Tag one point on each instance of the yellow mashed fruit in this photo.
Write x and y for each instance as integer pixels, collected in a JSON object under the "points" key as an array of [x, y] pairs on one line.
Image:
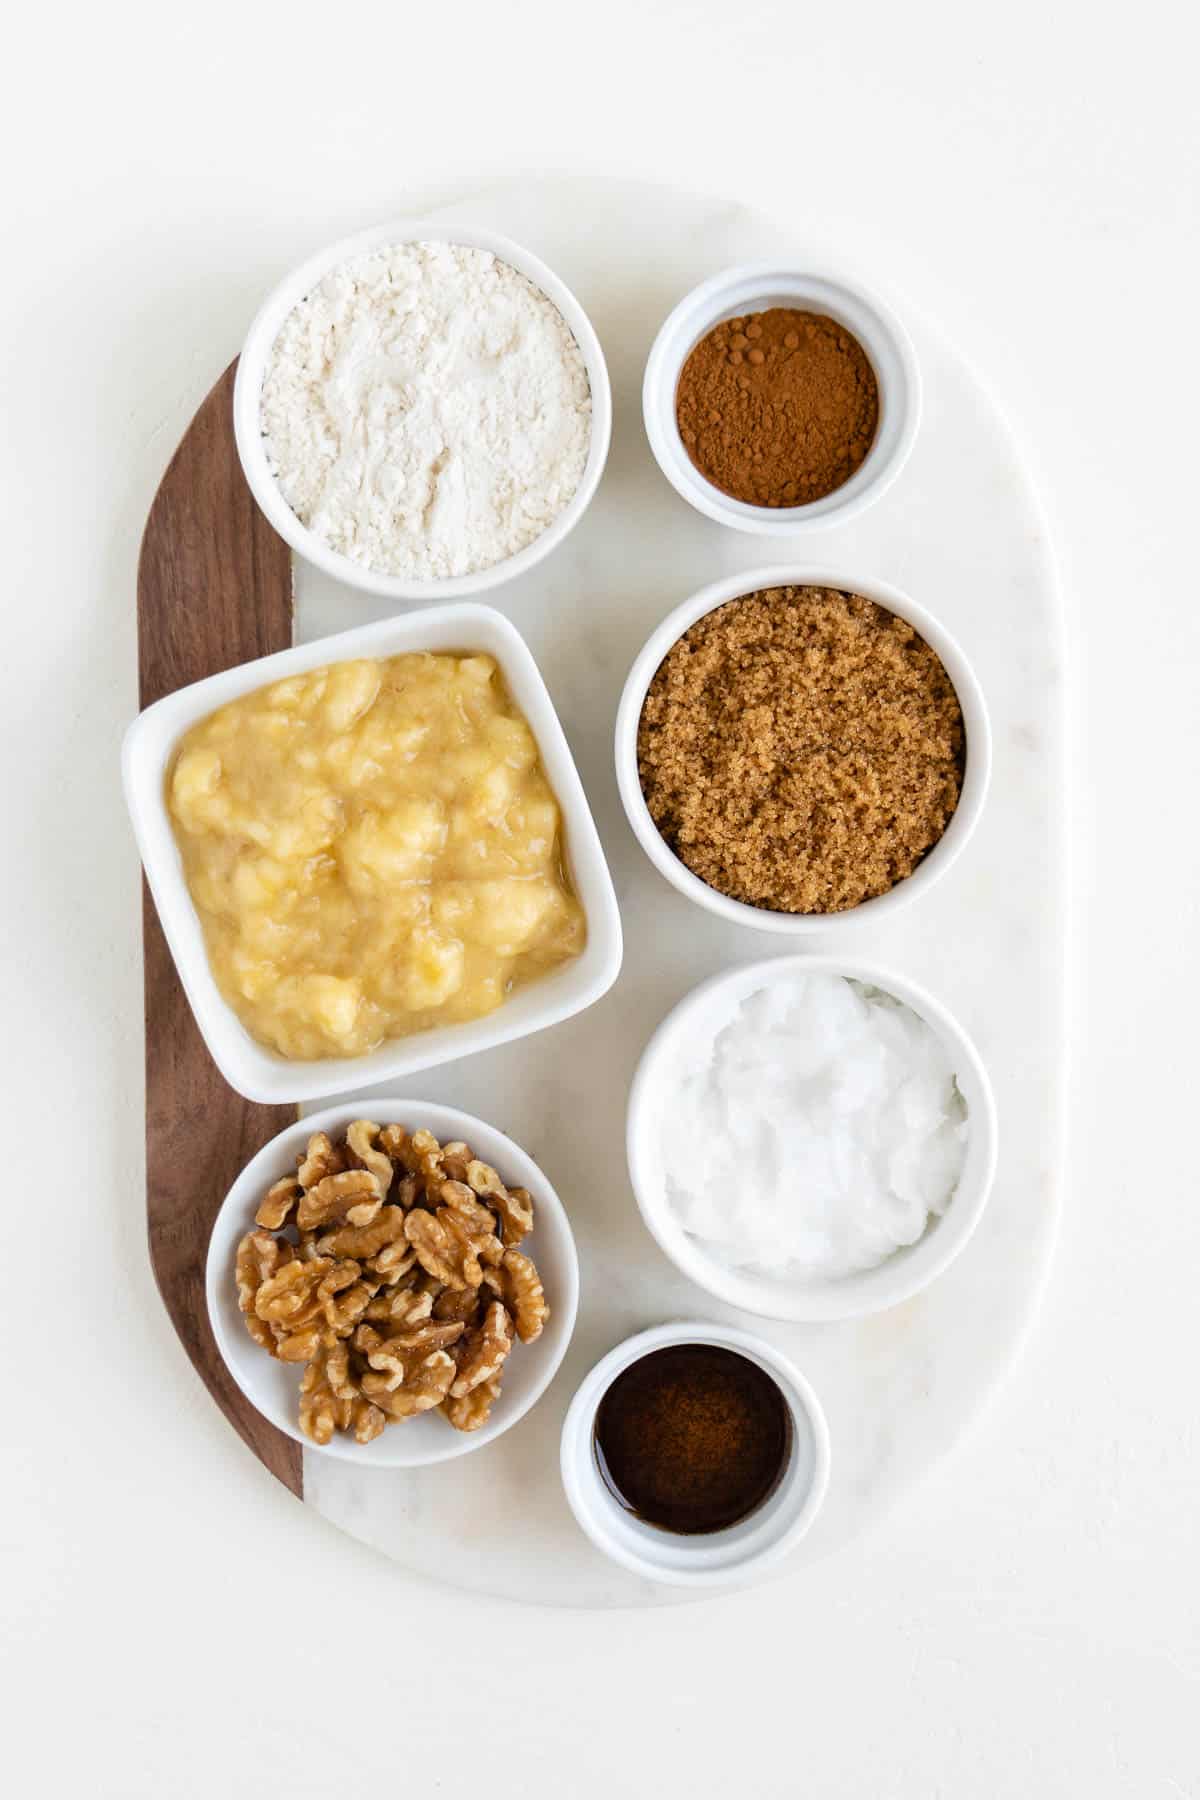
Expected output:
{"points": [[373, 849]]}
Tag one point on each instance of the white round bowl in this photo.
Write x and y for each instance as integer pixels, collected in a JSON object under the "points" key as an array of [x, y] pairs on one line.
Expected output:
{"points": [[252, 367], [975, 778], [902, 1274], [753, 287], [713, 1558], [274, 1387]]}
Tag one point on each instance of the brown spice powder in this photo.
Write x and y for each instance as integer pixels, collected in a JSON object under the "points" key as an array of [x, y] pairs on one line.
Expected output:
{"points": [[801, 749], [778, 408]]}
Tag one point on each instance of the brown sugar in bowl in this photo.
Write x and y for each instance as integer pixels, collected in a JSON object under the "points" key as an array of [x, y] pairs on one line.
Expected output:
{"points": [[932, 864]]}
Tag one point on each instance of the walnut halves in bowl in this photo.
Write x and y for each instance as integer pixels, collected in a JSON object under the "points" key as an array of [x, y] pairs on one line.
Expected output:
{"points": [[389, 1266]]}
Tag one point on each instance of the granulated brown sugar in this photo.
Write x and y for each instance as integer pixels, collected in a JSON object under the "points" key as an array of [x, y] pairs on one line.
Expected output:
{"points": [[778, 408], [801, 749]]}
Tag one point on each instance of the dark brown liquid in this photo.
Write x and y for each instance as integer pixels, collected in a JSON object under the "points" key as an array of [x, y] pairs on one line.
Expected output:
{"points": [[693, 1437]]}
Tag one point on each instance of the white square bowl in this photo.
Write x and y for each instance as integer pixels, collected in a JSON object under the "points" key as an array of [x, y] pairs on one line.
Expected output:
{"points": [[261, 1074]]}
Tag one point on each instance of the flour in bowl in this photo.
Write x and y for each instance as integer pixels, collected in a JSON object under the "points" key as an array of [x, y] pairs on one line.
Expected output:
{"points": [[813, 1131], [426, 411]]}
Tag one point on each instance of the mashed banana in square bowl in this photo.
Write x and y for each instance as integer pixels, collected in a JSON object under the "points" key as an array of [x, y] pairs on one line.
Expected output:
{"points": [[374, 849], [339, 857]]}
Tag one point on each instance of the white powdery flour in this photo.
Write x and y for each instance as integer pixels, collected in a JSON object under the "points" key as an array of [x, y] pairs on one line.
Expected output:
{"points": [[815, 1131], [426, 411]]}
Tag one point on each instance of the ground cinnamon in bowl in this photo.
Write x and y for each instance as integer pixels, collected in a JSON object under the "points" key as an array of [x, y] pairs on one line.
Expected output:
{"points": [[801, 749], [778, 408]]}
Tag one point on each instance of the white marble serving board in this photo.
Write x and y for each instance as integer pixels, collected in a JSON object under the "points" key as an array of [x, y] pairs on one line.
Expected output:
{"points": [[962, 532]]}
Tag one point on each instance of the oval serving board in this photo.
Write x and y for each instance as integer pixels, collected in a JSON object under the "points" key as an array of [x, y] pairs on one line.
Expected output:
{"points": [[961, 531]]}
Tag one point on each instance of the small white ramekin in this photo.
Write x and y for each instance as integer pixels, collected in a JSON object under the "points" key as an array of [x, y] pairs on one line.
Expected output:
{"points": [[250, 1067], [907, 1270], [252, 367], [274, 1387], [975, 778], [753, 287], [711, 1559]]}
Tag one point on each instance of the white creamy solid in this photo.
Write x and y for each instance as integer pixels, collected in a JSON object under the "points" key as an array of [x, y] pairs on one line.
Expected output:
{"points": [[426, 411], [814, 1131]]}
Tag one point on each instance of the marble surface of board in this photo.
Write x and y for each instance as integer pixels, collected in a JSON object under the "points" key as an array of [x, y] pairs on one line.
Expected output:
{"points": [[961, 531]]}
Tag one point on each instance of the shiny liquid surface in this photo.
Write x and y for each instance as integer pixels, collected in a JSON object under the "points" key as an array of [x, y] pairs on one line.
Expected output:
{"points": [[692, 1438]]}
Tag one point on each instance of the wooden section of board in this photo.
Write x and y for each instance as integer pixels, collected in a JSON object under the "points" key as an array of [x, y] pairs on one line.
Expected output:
{"points": [[214, 590]]}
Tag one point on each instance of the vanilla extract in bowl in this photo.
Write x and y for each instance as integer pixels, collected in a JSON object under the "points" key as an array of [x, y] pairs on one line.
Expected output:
{"points": [[693, 1438]]}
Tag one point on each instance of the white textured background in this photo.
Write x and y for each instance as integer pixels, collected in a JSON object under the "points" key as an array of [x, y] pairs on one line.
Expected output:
{"points": [[1027, 1625]]}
